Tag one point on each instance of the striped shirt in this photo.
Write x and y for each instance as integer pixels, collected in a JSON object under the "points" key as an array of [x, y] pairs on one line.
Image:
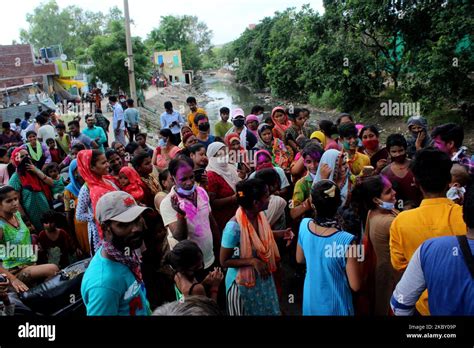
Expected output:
{"points": [[436, 263]]}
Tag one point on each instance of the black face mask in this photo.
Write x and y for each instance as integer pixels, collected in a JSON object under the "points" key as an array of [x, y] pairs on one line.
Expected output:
{"points": [[204, 127], [399, 159], [239, 123]]}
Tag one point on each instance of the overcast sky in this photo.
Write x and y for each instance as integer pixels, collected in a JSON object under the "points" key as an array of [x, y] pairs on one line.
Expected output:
{"points": [[227, 19]]}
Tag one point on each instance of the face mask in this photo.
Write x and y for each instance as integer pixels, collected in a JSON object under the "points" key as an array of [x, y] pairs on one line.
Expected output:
{"points": [[347, 145], [221, 162], [455, 193], [399, 159], [371, 144], [162, 142], [239, 123], [204, 127], [184, 192], [387, 205]]}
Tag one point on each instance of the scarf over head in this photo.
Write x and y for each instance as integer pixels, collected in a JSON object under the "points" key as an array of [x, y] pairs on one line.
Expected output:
{"points": [[97, 185], [262, 242], [221, 166], [28, 180], [320, 136], [74, 187], [229, 138], [135, 186], [330, 157], [417, 121], [251, 118], [265, 165], [279, 129]]}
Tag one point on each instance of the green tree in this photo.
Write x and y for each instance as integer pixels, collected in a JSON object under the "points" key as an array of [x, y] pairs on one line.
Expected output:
{"points": [[108, 53], [71, 27], [185, 33]]}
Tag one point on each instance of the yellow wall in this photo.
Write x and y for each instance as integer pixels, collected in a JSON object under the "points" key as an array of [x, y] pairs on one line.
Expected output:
{"points": [[172, 64]]}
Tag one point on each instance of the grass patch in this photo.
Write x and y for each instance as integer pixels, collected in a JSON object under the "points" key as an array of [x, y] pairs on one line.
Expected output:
{"points": [[327, 100]]}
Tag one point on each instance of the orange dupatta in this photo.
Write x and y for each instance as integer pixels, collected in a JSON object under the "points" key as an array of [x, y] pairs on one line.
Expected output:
{"points": [[262, 242]]}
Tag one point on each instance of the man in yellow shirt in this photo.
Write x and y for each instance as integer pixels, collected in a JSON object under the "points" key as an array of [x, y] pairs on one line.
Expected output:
{"points": [[192, 103], [437, 215]]}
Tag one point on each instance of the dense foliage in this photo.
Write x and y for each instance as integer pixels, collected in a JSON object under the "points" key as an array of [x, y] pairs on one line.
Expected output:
{"points": [[358, 50]]}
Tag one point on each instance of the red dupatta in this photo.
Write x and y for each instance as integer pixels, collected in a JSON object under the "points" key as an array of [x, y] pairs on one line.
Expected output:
{"points": [[135, 186], [28, 180], [279, 129], [96, 184]]}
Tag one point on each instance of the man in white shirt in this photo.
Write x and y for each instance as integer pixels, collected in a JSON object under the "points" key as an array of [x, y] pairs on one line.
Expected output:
{"points": [[118, 121], [45, 130], [172, 120]]}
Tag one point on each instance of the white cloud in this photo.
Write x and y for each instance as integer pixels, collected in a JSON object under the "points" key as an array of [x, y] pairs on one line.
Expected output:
{"points": [[227, 19]]}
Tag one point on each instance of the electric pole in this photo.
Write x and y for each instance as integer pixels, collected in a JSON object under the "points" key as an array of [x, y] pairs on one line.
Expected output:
{"points": [[129, 61]]}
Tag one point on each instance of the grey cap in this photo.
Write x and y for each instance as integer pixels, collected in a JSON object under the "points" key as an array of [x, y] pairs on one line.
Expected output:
{"points": [[118, 206]]}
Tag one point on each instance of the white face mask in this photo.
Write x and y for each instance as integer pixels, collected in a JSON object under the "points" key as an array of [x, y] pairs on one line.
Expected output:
{"points": [[184, 192], [222, 161], [387, 205], [455, 193]]}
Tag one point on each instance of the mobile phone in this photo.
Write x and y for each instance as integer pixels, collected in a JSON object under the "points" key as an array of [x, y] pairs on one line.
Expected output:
{"points": [[240, 166]]}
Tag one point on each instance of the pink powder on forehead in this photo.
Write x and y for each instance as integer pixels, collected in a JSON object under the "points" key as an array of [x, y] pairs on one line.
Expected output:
{"points": [[386, 181], [181, 169], [262, 157]]}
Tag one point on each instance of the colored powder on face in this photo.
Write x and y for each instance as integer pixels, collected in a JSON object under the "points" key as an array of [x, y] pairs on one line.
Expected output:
{"points": [[386, 182]]}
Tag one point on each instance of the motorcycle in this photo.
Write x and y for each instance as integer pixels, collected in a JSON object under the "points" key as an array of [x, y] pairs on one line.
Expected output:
{"points": [[59, 296]]}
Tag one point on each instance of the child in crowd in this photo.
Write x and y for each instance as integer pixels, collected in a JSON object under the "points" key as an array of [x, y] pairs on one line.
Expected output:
{"points": [[63, 139], [22, 272], [185, 261], [296, 130], [223, 126], [56, 246], [56, 155], [72, 155], [460, 180], [52, 170], [301, 195], [141, 141], [131, 182]]}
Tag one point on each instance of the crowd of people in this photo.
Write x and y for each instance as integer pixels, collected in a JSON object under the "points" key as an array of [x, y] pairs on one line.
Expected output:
{"points": [[204, 223]]}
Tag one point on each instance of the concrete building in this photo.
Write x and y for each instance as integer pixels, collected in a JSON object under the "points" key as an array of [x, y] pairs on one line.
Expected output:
{"points": [[19, 66], [170, 66]]}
